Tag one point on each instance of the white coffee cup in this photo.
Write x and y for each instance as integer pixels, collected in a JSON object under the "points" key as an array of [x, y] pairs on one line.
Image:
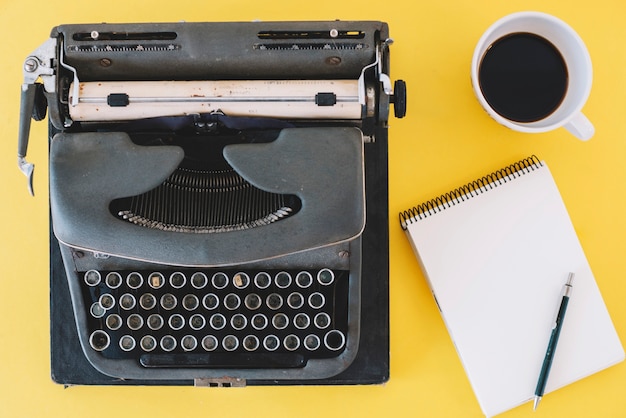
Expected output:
{"points": [[579, 70]]}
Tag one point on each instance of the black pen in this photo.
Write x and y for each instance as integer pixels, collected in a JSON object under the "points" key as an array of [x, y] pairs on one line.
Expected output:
{"points": [[554, 339]]}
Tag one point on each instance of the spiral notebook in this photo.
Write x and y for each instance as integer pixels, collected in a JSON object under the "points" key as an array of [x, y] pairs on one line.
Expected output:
{"points": [[496, 253]]}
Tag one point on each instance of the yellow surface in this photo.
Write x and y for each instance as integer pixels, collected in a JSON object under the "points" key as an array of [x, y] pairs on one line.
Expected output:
{"points": [[446, 139]]}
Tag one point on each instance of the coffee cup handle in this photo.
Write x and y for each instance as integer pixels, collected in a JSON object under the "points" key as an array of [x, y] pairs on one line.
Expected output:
{"points": [[580, 127]]}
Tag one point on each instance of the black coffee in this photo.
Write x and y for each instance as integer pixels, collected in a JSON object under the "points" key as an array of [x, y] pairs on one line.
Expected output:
{"points": [[523, 77]]}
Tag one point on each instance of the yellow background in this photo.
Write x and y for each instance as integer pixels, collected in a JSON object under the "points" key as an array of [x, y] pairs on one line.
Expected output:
{"points": [[445, 140]]}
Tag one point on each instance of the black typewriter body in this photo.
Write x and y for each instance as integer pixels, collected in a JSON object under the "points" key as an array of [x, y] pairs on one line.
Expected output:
{"points": [[218, 197]]}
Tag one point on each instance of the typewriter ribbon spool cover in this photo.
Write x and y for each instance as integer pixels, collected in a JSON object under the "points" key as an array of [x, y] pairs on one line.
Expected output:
{"points": [[218, 197]]}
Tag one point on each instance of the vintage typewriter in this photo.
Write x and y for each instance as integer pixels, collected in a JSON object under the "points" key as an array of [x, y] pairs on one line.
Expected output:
{"points": [[208, 193]]}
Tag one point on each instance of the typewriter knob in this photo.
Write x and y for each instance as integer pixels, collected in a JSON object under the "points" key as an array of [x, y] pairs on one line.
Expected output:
{"points": [[41, 103], [399, 99]]}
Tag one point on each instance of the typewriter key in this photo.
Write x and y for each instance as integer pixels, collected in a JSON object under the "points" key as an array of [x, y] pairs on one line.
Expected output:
{"points": [[177, 280], [262, 280], [190, 302], [113, 280], [316, 300], [259, 321], [219, 280], [252, 301], [156, 280], [274, 301], [301, 320], [325, 277], [99, 340], [280, 321], [241, 280], [168, 343], [127, 301], [209, 343], [199, 280], [168, 301], [92, 277], [148, 343], [334, 340], [197, 322], [97, 311], [232, 301], [230, 343], [114, 322], [127, 343], [210, 301], [238, 322], [134, 280], [189, 343], [155, 322], [251, 343], [295, 300], [312, 342], [134, 321], [291, 342], [147, 301], [107, 301], [322, 320], [176, 322], [282, 279], [304, 279], [271, 342], [217, 321]]}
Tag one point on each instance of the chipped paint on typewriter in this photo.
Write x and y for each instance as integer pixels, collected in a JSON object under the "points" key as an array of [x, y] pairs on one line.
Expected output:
{"points": [[218, 196]]}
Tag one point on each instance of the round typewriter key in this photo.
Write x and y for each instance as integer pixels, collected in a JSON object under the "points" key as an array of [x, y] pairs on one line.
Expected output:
{"points": [[291, 342], [97, 311], [190, 302], [168, 301], [134, 280], [282, 279], [274, 301], [219, 280], [253, 301], [304, 279], [238, 322], [334, 340], [197, 322], [148, 343], [189, 343], [113, 280], [251, 343], [107, 301], [322, 320], [262, 280], [325, 277], [312, 342], [259, 321], [217, 321], [147, 301], [280, 321], [209, 343], [134, 321], [177, 280], [99, 340], [232, 301], [241, 280], [301, 320], [176, 322], [271, 342], [168, 343], [316, 300], [295, 300], [155, 322], [199, 280], [127, 301], [92, 277], [230, 343], [156, 280], [114, 322], [210, 301], [127, 343]]}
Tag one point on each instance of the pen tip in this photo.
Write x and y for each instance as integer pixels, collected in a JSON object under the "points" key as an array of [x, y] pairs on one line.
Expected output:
{"points": [[536, 404]]}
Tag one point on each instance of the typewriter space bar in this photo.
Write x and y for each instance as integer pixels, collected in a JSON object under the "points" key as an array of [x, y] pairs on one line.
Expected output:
{"points": [[224, 360]]}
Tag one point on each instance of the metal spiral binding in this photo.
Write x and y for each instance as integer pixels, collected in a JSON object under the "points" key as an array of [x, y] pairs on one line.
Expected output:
{"points": [[468, 191]]}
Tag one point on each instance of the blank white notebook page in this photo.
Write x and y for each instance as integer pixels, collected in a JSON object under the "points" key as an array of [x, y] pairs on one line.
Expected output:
{"points": [[496, 264]]}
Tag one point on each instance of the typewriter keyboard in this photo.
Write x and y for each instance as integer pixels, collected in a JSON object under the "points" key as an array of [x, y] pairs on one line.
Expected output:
{"points": [[217, 318]]}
